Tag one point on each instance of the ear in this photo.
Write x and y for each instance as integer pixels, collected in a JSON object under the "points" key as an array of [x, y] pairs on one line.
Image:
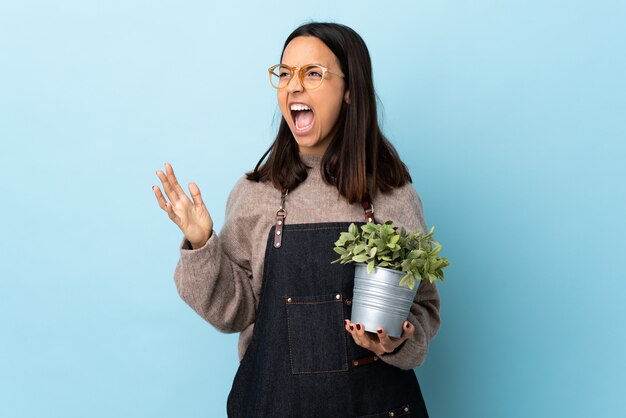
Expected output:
{"points": [[346, 96]]}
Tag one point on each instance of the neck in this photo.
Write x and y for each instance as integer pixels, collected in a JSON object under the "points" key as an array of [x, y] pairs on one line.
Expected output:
{"points": [[311, 157]]}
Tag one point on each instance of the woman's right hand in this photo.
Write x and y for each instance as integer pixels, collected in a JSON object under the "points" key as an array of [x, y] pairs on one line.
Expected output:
{"points": [[192, 218]]}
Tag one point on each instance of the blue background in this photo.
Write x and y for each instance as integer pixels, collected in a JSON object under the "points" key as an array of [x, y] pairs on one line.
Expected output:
{"points": [[510, 116]]}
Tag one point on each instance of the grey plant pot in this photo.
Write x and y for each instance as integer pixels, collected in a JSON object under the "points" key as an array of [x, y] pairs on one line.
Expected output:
{"points": [[379, 301]]}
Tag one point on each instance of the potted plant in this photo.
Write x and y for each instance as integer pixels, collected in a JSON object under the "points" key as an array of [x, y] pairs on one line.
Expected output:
{"points": [[389, 261]]}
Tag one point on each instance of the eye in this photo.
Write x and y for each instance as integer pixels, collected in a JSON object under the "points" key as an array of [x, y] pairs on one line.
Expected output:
{"points": [[314, 74], [282, 71]]}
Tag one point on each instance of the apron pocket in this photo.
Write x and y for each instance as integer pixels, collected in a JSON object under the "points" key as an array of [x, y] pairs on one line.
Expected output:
{"points": [[317, 339]]}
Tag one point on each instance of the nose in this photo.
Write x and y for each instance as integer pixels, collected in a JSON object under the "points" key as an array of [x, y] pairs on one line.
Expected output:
{"points": [[294, 84]]}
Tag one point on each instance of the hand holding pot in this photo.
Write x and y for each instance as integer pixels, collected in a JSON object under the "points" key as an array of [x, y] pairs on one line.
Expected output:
{"points": [[192, 218], [379, 344]]}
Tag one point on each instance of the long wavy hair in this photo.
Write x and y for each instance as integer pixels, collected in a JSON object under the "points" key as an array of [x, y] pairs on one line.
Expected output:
{"points": [[359, 159]]}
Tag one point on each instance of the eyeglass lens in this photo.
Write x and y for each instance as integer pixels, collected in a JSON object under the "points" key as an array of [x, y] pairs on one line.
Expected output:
{"points": [[312, 76]]}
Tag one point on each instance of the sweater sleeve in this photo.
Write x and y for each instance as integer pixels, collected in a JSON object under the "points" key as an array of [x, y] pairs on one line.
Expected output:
{"points": [[424, 313], [216, 279]]}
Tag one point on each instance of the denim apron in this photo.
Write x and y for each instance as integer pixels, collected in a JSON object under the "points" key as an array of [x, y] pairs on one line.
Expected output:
{"points": [[301, 362]]}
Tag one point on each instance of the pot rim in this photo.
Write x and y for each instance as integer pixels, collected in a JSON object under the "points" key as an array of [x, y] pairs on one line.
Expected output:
{"points": [[381, 268]]}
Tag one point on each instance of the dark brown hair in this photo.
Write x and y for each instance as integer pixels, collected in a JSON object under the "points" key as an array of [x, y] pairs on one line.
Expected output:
{"points": [[359, 158]]}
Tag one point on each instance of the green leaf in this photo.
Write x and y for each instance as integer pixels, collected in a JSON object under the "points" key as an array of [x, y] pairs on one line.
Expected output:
{"points": [[407, 280], [359, 249], [346, 236], [368, 228], [360, 258], [340, 250], [373, 251], [436, 264], [370, 266], [406, 265]]}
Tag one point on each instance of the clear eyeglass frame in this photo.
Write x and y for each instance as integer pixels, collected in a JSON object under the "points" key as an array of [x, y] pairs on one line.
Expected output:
{"points": [[275, 79]]}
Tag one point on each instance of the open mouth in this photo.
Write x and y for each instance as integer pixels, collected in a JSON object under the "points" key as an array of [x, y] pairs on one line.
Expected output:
{"points": [[303, 120]]}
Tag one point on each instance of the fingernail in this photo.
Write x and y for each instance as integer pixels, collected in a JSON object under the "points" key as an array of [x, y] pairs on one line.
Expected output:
{"points": [[358, 327], [345, 322], [406, 325], [351, 327], [380, 331]]}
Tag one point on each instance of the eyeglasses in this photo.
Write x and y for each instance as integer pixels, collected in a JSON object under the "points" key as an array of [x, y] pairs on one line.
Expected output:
{"points": [[311, 75]]}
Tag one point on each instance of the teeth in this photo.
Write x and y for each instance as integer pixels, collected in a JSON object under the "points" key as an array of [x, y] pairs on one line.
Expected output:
{"points": [[298, 106]]}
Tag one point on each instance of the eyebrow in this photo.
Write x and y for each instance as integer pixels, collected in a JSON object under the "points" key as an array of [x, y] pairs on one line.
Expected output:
{"points": [[311, 63]]}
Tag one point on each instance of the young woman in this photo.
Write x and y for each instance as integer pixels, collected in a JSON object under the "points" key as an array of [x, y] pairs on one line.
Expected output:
{"points": [[268, 274]]}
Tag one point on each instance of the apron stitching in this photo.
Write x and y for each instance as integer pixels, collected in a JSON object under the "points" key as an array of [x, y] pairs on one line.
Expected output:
{"points": [[324, 371], [313, 303], [314, 229], [289, 337]]}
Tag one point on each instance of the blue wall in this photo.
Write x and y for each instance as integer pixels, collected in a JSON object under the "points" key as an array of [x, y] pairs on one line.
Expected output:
{"points": [[510, 116]]}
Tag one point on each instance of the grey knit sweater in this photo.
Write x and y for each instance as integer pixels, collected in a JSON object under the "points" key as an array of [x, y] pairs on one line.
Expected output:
{"points": [[222, 280]]}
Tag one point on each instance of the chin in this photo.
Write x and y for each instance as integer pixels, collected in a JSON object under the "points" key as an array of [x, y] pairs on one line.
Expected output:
{"points": [[308, 140], [306, 146], [312, 147]]}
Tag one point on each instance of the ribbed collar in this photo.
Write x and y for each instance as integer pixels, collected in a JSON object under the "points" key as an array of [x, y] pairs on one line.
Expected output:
{"points": [[311, 159]]}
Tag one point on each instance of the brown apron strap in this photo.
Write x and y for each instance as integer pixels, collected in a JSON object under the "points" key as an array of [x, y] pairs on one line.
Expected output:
{"points": [[368, 207], [281, 214], [364, 361]]}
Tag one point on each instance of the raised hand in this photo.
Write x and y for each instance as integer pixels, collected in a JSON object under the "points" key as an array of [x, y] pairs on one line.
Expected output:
{"points": [[192, 218]]}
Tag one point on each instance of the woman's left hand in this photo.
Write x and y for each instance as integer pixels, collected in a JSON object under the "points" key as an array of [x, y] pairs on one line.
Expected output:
{"points": [[379, 343]]}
